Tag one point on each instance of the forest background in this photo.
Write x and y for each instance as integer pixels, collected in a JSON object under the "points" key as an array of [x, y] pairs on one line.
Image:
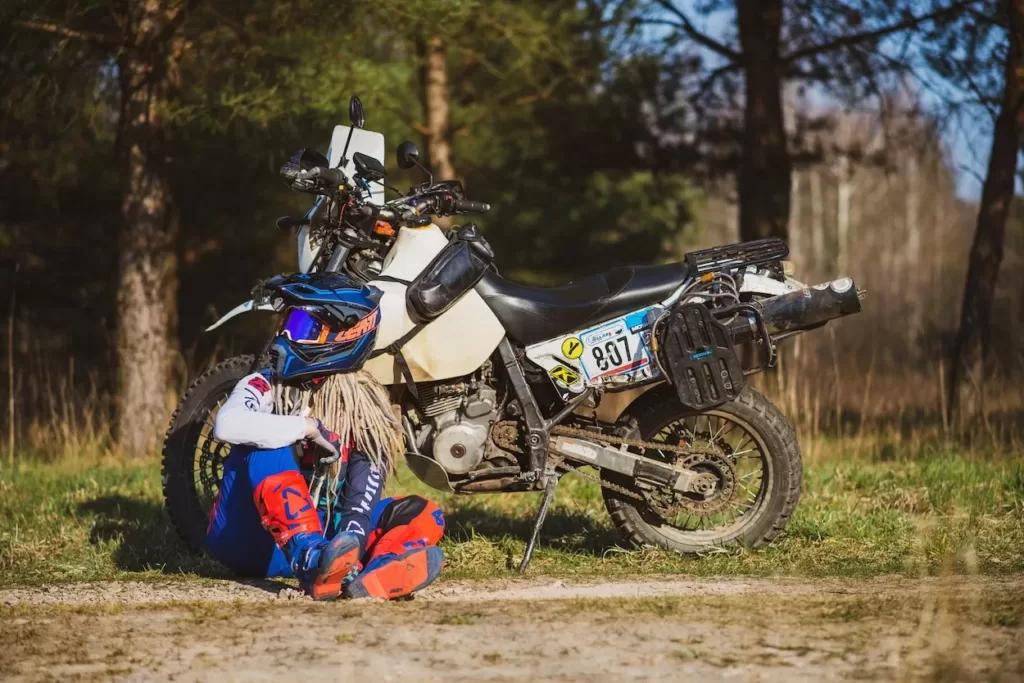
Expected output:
{"points": [[140, 142]]}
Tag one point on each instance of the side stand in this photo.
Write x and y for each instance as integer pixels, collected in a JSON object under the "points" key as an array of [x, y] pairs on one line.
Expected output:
{"points": [[549, 494]]}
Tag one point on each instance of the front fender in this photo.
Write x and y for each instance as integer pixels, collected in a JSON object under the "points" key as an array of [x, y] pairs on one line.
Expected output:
{"points": [[241, 308]]}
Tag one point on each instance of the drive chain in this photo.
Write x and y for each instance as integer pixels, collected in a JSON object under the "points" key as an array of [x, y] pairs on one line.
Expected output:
{"points": [[505, 435]]}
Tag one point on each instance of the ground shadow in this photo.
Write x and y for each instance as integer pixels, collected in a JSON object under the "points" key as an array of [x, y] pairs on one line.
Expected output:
{"points": [[149, 542], [563, 530]]}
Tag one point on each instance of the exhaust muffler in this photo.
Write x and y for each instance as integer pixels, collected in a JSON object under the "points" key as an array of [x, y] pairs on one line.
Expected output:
{"points": [[797, 311]]}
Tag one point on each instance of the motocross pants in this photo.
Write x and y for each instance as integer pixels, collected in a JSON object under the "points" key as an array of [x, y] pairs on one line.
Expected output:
{"points": [[264, 504]]}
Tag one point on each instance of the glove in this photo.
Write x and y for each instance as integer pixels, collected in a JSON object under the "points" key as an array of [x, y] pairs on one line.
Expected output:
{"points": [[323, 437]]}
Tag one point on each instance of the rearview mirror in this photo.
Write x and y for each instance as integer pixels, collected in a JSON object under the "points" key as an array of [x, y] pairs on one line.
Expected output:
{"points": [[367, 167], [408, 155], [355, 112]]}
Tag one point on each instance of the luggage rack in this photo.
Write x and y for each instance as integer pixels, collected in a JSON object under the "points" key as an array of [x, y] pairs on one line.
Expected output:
{"points": [[734, 256]]}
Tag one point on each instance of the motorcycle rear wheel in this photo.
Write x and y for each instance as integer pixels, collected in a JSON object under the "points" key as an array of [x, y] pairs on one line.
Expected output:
{"points": [[748, 425], [193, 461]]}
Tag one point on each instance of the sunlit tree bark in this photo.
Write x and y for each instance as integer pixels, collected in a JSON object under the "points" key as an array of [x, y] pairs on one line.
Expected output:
{"points": [[973, 336]]}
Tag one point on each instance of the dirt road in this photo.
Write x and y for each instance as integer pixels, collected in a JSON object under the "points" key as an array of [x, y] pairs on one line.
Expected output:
{"points": [[758, 629]]}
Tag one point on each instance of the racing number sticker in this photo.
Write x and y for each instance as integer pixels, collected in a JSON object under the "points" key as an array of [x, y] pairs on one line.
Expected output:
{"points": [[572, 348], [613, 349], [612, 353]]}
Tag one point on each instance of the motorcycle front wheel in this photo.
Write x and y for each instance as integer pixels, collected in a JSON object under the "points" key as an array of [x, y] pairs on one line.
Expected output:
{"points": [[748, 445], [193, 461]]}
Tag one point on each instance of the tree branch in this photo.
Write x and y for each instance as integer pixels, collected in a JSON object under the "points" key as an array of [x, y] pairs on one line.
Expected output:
{"points": [[689, 29], [66, 32], [709, 82], [851, 40], [175, 22]]}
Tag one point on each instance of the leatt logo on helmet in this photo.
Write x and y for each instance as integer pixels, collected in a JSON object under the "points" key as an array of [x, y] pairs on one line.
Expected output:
{"points": [[363, 327]]}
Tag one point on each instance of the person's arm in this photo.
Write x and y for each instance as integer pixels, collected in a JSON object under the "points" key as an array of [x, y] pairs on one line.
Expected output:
{"points": [[359, 496], [247, 417]]}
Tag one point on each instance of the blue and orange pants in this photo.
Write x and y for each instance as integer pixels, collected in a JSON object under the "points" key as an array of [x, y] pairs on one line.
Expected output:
{"points": [[237, 538]]}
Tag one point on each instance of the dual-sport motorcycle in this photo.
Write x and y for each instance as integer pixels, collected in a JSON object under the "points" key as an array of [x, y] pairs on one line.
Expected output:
{"points": [[498, 383]]}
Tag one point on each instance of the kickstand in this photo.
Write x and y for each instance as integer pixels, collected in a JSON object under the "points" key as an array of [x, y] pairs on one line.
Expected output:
{"points": [[549, 493]]}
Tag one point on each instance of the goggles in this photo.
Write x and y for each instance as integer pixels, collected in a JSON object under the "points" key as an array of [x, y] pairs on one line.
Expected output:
{"points": [[302, 327]]}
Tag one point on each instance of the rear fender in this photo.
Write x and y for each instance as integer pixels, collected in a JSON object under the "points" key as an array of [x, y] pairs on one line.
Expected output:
{"points": [[660, 393], [755, 283]]}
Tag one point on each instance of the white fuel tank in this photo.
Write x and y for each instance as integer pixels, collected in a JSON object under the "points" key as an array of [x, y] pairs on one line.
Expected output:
{"points": [[455, 344]]}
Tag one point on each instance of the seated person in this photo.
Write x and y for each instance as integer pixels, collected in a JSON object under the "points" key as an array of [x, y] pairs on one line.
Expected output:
{"points": [[264, 522]]}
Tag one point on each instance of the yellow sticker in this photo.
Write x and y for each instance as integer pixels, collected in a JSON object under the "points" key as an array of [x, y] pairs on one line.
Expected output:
{"points": [[572, 348], [564, 375]]}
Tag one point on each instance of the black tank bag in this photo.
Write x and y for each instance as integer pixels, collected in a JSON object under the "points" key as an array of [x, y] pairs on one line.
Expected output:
{"points": [[453, 272]]}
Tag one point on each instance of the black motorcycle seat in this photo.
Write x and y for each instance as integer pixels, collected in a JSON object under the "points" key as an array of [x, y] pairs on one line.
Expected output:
{"points": [[536, 314]]}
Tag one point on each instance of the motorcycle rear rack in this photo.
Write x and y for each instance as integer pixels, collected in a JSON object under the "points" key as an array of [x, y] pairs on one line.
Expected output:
{"points": [[734, 256]]}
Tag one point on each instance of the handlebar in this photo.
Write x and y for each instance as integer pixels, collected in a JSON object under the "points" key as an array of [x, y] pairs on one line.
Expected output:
{"points": [[447, 204]]}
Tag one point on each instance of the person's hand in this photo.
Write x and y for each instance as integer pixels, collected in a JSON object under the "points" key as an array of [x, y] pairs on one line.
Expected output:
{"points": [[323, 437]]}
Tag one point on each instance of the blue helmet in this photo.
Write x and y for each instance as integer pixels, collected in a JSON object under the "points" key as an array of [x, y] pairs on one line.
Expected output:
{"points": [[329, 325]]}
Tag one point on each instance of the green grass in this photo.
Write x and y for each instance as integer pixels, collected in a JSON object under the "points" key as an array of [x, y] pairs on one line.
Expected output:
{"points": [[942, 511]]}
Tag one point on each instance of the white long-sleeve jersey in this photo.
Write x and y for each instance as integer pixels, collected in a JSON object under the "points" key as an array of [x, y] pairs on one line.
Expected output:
{"points": [[247, 417]]}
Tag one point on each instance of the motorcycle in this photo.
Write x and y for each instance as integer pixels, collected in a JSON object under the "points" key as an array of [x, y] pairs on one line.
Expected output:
{"points": [[498, 383]]}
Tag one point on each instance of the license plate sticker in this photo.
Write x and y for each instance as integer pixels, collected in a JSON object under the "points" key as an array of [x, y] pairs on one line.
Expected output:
{"points": [[617, 347]]}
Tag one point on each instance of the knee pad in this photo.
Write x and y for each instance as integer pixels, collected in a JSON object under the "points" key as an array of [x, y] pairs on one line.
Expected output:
{"points": [[408, 522], [422, 516], [285, 506]]}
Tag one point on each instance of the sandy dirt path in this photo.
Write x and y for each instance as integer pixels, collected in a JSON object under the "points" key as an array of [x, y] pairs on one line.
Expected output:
{"points": [[540, 629]]}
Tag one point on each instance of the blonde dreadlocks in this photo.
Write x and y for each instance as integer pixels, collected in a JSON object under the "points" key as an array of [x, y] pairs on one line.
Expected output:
{"points": [[357, 407]]}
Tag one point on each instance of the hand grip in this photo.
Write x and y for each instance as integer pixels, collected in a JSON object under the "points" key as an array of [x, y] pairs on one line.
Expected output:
{"points": [[331, 176], [469, 206]]}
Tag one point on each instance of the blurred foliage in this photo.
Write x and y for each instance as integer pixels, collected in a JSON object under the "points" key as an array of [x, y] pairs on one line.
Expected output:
{"points": [[600, 139], [547, 125]]}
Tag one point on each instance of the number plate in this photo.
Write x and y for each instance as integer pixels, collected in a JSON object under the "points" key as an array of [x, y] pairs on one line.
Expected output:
{"points": [[617, 347]]}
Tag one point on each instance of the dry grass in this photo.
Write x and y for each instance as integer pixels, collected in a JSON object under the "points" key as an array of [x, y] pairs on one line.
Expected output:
{"points": [[917, 513], [884, 492]]}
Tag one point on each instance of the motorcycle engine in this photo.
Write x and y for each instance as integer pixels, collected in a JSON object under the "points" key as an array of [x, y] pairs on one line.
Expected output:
{"points": [[462, 415]]}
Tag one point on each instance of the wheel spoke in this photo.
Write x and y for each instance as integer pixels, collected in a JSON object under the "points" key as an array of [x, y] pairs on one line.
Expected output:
{"points": [[734, 444], [742, 444], [718, 433]]}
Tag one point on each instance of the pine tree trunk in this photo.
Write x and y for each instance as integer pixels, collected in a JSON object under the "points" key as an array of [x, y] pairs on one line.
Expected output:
{"points": [[844, 195], [797, 238], [435, 108], [972, 339], [912, 261], [817, 222], [147, 265], [765, 165]]}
